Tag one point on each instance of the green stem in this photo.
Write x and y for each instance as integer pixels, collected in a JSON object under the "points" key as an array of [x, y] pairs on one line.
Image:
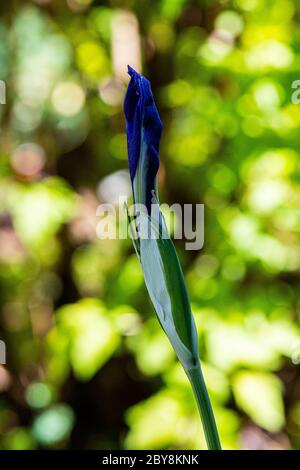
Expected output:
{"points": [[204, 406]]}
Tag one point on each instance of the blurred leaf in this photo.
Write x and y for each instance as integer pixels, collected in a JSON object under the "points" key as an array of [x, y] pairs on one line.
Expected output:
{"points": [[253, 342], [19, 439], [40, 209], [260, 396], [151, 348], [53, 425], [92, 335], [175, 430]]}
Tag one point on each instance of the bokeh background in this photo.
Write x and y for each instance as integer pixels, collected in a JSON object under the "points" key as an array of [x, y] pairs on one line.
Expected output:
{"points": [[87, 364]]}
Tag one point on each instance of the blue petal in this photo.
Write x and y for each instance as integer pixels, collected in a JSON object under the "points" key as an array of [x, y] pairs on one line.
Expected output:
{"points": [[143, 127]]}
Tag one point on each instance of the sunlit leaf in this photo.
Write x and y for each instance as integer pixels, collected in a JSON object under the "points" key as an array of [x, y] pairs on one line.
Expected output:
{"points": [[259, 395]]}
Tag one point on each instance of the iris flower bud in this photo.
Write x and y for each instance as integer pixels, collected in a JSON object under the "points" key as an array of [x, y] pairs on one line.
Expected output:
{"points": [[162, 271]]}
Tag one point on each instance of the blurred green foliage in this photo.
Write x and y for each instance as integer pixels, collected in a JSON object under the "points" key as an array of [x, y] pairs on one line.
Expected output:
{"points": [[87, 363]]}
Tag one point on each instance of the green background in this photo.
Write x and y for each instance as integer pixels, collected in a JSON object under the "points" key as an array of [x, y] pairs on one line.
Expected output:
{"points": [[87, 363]]}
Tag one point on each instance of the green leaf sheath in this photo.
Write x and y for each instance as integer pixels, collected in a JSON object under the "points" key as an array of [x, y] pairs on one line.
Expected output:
{"points": [[165, 283], [205, 409]]}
